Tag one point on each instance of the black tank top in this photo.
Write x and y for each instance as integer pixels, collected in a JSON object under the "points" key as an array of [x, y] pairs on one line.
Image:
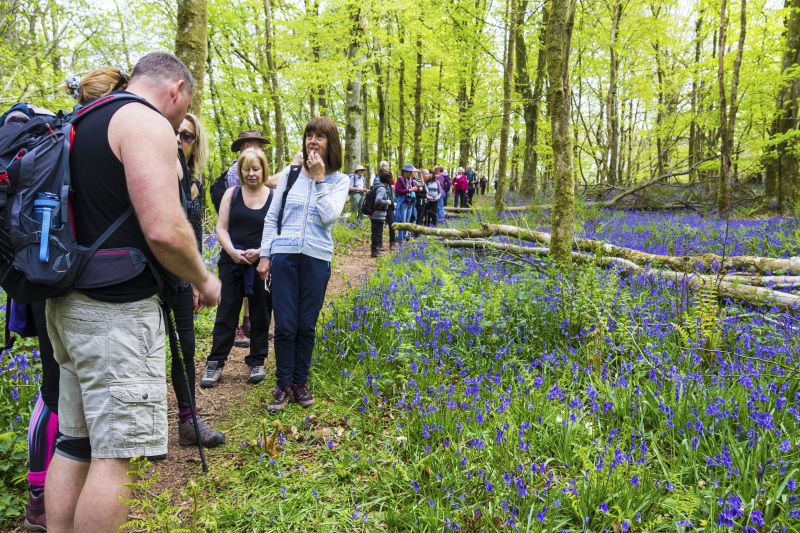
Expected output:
{"points": [[100, 196], [246, 225]]}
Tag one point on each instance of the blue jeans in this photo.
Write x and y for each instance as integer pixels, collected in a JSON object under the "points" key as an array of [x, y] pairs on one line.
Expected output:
{"points": [[404, 209], [298, 291], [440, 207]]}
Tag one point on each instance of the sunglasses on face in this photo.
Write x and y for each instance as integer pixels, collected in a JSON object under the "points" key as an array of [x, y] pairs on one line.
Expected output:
{"points": [[186, 136]]}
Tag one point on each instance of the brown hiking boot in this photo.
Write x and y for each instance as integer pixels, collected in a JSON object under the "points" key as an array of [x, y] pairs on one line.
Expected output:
{"points": [[188, 437], [281, 399], [302, 395]]}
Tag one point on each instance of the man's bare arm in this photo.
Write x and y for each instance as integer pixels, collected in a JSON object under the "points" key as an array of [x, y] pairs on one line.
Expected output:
{"points": [[145, 143]]}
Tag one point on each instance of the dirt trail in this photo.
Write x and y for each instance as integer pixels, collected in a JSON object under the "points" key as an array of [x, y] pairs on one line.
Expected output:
{"points": [[183, 463]]}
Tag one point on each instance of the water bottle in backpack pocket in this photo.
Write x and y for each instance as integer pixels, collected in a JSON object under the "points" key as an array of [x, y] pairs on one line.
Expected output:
{"points": [[47, 212]]}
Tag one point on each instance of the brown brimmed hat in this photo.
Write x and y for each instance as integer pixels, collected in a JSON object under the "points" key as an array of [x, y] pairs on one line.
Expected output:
{"points": [[247, 135]]}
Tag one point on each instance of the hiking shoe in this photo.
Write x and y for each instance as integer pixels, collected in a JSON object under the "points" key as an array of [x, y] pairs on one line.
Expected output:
{"points": [[281, 398], [209, 437], [302, 395], [212, 376], [34, 515], [257, 374], [159, 457], [246, 326], [270, 336], [240, 341]]}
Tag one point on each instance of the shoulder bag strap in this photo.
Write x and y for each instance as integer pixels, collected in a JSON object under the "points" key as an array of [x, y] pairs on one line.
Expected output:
{"points": [[294, 172]]}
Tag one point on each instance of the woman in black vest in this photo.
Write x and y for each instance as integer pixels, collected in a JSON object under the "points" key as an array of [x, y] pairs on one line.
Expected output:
{"points": [[241, 220]]}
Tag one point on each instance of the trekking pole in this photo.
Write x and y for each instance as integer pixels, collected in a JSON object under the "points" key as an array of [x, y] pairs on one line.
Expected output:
{"points": [[186, 380], [9, 342]]}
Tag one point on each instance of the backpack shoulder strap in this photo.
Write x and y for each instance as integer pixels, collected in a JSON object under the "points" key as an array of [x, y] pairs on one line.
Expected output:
{"points": [[236, 192], [109, 98], [294, 172]]}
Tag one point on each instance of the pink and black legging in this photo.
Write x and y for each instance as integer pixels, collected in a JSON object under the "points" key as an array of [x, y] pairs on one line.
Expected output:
{"points": [[43, 427]]}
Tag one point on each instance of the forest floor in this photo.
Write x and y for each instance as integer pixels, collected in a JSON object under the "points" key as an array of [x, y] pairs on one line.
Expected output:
{"points": [[216, 405]]}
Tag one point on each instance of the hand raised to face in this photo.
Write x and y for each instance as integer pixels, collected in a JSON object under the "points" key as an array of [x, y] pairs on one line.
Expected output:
{"points": [[316, 166]]}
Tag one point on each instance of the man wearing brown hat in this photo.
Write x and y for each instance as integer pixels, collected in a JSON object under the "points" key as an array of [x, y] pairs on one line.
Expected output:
{"points": [[246, 139]]}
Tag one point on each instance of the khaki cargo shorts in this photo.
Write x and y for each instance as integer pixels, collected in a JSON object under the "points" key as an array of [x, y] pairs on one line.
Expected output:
{"points": [[113, 386]]}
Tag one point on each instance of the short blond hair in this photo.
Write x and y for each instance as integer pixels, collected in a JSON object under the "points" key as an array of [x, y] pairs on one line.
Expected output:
{"points": [[250, 156]]}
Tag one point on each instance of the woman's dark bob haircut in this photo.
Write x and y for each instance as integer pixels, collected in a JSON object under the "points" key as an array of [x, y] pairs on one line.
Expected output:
{"points": [[385, 178], [324, 125]]}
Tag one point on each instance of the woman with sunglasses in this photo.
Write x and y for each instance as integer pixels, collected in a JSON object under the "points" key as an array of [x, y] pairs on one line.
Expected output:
{"points": [[193, 157]]}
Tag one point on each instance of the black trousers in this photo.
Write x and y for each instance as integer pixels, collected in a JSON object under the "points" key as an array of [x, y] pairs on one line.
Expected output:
{"points": [[184, 319], [389, 222], [433, 212], [461, 199], [228, 317], [377, 234], [470, 194]]}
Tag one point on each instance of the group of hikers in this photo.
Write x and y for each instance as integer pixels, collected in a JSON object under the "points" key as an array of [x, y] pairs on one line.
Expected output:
{"points": [[103, 396], [417, 196]]}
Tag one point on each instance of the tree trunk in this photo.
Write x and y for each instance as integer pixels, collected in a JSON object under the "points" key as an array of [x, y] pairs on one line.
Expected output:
{"points": [[365, 147], [438, 112], [514, 182], [218, 112], [191, 41], [418, 108], [281, 157], [530, 104], [786, 182], [401, 106], [611, 152], [508, 75], [352, 130], [695, 151], [559, 39], [463, 121], [379, 93], [723, 191]]}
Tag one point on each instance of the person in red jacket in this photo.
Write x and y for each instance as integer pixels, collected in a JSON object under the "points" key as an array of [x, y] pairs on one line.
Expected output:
{"points": [[460, 184]]}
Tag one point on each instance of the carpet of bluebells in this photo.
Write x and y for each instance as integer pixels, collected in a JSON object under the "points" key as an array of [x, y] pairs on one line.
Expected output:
{"points": [[534, 399], [475, 393]]}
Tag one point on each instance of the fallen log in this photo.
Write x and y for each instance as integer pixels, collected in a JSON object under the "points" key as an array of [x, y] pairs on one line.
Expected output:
{"points": [[735, 290], [702, 263]]}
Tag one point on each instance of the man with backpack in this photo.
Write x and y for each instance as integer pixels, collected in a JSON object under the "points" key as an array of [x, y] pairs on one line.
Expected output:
{"points": [[378, 201], [109, 341]]}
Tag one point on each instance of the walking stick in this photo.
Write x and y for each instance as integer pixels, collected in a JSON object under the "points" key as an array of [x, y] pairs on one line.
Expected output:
{"points": [[186, 380]]}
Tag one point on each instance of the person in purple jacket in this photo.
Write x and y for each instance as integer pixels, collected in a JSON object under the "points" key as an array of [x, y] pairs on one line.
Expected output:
{"points": [[405, 189], [444, 186]]}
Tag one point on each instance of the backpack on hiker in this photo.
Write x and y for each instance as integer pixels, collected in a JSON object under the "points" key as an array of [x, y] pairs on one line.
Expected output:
{"points": [[218, 188], [39, 255], [368, 207]]}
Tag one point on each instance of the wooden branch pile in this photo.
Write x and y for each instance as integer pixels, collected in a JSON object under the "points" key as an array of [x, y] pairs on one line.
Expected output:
{"points": [[757, 283]]}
